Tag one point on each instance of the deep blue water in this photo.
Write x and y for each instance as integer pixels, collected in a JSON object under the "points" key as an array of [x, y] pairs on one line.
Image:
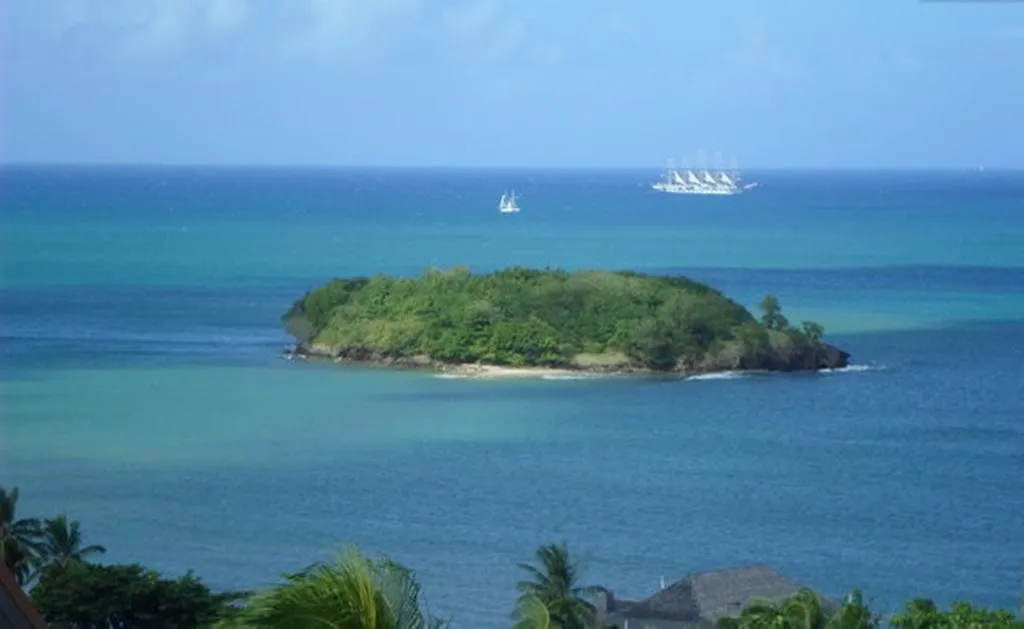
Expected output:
{"points": [[142, 389]]}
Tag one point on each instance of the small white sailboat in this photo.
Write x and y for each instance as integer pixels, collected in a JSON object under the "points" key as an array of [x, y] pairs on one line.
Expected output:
{"points": [[508, 204]]}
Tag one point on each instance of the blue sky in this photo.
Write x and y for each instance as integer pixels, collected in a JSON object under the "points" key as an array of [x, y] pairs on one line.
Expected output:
{"points": [[777, 83]]}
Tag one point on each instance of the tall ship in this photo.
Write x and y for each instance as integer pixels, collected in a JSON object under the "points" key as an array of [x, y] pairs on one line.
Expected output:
{"points": [[701, 181], [508, 203]]}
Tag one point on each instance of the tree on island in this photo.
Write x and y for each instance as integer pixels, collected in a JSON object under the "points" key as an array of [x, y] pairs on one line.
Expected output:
{"points": [[596, 320], [812, 331], [554, 584], [772, 317]]}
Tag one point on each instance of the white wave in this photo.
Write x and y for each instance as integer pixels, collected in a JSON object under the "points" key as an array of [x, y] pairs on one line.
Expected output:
{"points": [[552, 376], [719, 375], [451, 376], [854, 369]]}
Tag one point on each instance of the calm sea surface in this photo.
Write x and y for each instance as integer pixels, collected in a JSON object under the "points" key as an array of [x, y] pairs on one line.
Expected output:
{"points": [[142, 389]]}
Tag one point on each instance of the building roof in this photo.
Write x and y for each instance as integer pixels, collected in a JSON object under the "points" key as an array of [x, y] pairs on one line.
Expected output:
{"points": [[16, 610], [708, 596]]}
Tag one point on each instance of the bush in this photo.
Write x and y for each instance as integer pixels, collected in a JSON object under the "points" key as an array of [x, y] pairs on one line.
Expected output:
{"points": [[523, 316]]}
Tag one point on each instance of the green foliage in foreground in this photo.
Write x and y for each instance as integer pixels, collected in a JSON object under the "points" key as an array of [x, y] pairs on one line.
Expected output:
{"points": [[551, 597], [30, 545], [90, 596], [521, 316], [923, 614], [805, 610], [19, 537], [359, 592], [355, 592]]}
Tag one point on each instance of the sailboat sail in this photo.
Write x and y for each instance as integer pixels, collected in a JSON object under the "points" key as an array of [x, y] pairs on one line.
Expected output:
{"points": [[507, 204]]}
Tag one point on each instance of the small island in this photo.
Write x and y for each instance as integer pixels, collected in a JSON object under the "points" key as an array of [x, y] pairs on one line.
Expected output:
{"points": [[521, 321]]}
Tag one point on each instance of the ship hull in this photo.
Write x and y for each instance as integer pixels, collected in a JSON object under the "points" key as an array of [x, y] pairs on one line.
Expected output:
{"points": [[707, 191]]}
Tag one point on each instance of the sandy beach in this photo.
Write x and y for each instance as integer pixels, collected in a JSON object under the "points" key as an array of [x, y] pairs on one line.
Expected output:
{"points": [[501, 372]]}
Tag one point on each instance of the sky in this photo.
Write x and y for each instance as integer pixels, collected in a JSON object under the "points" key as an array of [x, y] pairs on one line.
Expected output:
{"points": [[479, 83]]}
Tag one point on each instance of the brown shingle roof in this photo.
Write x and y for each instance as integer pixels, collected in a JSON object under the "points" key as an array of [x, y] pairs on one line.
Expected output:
{"points": [[726, 592], [709, 596], [15, 609]]}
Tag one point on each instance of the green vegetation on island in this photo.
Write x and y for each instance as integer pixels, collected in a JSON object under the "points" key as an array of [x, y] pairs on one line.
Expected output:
{"points": [[360, 592], [594, 320]]}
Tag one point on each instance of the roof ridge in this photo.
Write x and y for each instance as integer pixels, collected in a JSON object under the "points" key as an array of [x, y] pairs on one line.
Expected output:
{"points": [[726, 570], [22, 604]]}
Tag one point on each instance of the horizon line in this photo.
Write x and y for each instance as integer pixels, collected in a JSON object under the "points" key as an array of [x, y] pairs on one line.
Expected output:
{"points": [[508, 167]]}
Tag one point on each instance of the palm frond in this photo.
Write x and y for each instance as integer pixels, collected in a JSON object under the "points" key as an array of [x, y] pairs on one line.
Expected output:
{"points": [[20, 539], [531, 613], [553, 580], [354, 592]]}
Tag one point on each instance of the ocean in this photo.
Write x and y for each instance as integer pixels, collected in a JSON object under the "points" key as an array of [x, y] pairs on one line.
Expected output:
{"points": [[143, 392]]}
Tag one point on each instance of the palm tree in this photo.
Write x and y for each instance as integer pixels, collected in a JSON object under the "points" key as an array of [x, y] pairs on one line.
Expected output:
{"points": [[19, 539], [919, 613], [61, 543], [854, 614], [763, 614], [355, 592], [554, 582], [805, 611], [531, 613], [801, 611]]}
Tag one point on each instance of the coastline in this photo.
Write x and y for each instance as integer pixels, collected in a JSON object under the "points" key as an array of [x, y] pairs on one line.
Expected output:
{"points": [[486, 371], [468, 371], [503, 372]]}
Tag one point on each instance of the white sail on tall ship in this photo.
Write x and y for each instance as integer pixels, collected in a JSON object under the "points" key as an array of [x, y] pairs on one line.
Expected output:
{"points": [[508, 204], [701, 181]]}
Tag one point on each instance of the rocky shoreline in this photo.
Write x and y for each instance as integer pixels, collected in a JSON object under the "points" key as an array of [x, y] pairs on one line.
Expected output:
{"points": [[823, 357]]}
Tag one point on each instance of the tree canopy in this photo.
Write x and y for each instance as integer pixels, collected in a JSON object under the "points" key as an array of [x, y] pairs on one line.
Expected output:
{"points": [[922, 613], [89, 596], [20, 538], [360, 592], [355, 592], [525, 317], [552, 592]]}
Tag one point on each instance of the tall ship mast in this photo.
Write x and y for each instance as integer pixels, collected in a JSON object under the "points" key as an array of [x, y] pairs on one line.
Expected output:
{"points": [[701, 180], [508, 204]]}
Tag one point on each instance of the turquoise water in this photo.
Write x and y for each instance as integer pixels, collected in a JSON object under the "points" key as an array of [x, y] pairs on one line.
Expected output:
{"points": [[143, 391]]}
